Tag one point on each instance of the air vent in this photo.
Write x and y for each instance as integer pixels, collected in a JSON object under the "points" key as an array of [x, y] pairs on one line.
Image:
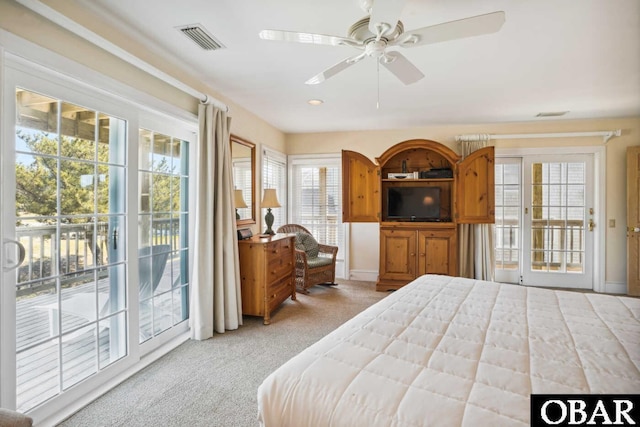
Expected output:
{"points": [[201, 37], [551, 114]]}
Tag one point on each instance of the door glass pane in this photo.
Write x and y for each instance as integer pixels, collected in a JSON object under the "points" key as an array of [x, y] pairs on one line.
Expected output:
{"points": [[70, 199], [507, 225], [558, 217], [162, 232]]}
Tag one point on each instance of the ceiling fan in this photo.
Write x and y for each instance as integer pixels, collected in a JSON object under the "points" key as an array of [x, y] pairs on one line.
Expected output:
{"points": [[381, 30]]}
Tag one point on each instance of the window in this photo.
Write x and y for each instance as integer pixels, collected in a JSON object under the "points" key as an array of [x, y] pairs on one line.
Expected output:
{"points": [[274, 175], [316, 200], [162, 232]]}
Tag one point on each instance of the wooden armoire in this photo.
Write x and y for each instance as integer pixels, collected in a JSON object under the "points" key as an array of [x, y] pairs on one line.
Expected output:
{"points": [[413, 245]]}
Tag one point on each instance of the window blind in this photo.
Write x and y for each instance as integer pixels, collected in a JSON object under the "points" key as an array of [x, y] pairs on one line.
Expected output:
{"points": [[316, 199]]}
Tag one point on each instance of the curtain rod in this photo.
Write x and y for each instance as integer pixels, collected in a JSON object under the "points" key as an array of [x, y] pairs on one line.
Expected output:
{"points": [[79, 30], [606, 135]]}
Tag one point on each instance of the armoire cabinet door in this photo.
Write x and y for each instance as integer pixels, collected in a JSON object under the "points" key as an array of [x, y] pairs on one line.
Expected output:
{"points": [[437, 252], [475, 188], [398, 254], [360, 188]]}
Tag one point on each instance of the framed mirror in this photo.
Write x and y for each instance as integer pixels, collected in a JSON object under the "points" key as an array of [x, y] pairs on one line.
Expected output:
{"points": [[243, 162]]}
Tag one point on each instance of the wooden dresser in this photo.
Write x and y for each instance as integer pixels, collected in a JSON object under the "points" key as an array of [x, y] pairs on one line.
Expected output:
{"points": [[267, 272]]}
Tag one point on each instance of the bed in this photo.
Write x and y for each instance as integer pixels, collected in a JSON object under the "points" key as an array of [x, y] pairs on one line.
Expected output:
{"points": [[453, 351]]}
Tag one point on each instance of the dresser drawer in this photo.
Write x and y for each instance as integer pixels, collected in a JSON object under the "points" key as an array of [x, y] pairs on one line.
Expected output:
{"points": [[279, 259], [278, 248], [279, 266], [279, 291]]}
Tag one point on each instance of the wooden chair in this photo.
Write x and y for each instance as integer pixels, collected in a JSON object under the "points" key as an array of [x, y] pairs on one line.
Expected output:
{"points": [[315, 262]]}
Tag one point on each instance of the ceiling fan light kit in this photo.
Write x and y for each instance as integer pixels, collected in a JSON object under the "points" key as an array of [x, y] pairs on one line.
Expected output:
{"points": [[381, 30]]}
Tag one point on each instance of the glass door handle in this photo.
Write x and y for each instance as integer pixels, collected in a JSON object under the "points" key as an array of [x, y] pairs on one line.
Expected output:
{"points": [[592, 225], [21, 254]]}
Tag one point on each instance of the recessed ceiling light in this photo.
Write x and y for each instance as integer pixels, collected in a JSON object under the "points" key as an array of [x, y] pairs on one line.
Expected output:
{"points": [[551, 114], [315, 101]]}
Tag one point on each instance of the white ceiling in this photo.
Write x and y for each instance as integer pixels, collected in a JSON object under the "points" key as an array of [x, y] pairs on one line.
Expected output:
{"points": [[581, 56]]}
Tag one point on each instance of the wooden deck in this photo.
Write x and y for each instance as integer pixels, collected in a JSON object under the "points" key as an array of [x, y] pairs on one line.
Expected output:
{"points": [[48, 362]]}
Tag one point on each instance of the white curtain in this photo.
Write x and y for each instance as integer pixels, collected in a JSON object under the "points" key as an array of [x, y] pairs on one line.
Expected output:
{"points": [[476, 253], [215, 291]]}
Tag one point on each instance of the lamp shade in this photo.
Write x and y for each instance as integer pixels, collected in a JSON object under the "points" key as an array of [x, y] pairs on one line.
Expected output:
{"points": [[269, 199], [239, 199]]}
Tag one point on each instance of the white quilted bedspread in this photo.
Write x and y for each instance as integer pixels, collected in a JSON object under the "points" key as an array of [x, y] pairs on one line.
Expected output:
{"points": [[451, 351]]}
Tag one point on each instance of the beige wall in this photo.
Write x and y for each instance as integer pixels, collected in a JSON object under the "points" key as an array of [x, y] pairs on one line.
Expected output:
{"points": [[364, 237], [18, 20]]}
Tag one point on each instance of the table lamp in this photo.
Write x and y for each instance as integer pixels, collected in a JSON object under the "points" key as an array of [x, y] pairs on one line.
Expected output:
{"points": [[269, 200], [239, 201]]}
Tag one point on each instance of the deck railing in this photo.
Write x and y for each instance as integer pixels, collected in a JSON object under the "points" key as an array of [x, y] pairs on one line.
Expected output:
{"points": [[555, 243], [80, 249]]}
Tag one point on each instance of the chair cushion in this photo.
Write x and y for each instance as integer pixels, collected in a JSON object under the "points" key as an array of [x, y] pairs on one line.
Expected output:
{"points": [[305, 242], [319, 261]]}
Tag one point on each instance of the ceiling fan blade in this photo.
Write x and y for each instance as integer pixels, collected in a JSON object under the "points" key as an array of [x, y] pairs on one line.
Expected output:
{"points": [[401, 67], [468, 27], [293, 36], [335, 69], [385, 12]]}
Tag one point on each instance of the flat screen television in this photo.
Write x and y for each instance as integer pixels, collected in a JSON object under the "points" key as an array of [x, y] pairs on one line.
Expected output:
{"points": [[413, 203]]}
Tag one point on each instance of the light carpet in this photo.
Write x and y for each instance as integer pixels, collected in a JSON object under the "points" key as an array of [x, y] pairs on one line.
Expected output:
{"points": [[215, 382]]}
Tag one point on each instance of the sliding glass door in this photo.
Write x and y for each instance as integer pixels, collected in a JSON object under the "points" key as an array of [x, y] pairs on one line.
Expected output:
{"points": [[95, 239]]}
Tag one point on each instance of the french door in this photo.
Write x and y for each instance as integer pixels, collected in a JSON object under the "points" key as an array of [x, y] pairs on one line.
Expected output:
{"points": [[559, 214], [545, 220]]}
